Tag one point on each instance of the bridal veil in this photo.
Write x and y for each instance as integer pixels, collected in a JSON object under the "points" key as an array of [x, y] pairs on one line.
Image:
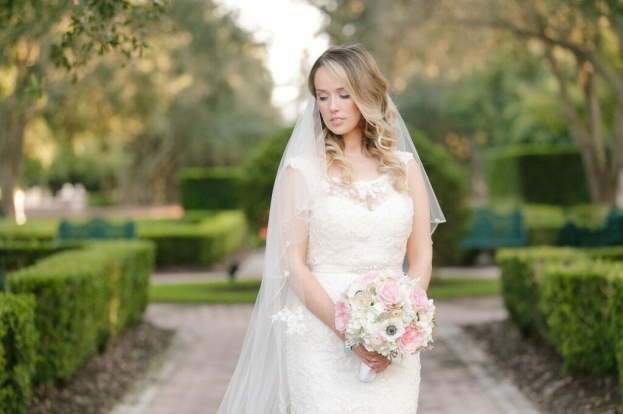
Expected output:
{"points": [[259, 384]]}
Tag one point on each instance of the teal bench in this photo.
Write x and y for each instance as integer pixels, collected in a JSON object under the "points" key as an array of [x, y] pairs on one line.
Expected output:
{"points": [[610, 234], [97, 229], [490, 231]]}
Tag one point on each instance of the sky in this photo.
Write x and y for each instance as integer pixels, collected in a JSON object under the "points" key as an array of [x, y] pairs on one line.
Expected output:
{"points": [[289, 28]]}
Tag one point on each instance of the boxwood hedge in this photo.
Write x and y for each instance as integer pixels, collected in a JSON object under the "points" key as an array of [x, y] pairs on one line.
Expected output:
{"points": [[18, 341], [84, 298], [572, 299]]}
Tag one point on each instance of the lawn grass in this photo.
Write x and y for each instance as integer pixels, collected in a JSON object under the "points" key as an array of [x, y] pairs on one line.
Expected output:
{"points": [[206, 293], [246, 291], [461, 287]]}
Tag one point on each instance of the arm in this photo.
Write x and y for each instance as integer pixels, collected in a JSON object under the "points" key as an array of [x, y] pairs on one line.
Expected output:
{"points": [[293, 216], [419, 244], [301, 280]]}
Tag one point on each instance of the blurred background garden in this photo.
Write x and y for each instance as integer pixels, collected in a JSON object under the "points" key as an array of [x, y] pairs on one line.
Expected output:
{"points": [[143, 136]]}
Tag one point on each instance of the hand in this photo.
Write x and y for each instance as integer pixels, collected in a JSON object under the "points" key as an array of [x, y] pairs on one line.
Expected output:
{"points": [[374, 360]]}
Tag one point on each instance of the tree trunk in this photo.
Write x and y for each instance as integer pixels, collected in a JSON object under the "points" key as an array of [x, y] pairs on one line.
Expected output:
{"points": [[14, 117], [602, 179]]}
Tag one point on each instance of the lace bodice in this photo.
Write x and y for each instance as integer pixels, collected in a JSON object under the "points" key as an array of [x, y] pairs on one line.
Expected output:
{"points": [[362, 227]]}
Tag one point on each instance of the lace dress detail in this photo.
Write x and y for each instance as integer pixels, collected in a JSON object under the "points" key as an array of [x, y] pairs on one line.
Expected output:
{"points": [[351, 230]]}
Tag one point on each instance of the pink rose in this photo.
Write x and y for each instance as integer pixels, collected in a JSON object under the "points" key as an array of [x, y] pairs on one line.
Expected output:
{"points": [[418, 298], [389, 293], [410, 340], [369, 277], [342, 315]]}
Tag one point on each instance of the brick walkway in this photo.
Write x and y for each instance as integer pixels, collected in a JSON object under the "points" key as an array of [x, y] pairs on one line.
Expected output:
{"points": [[457, 377]]}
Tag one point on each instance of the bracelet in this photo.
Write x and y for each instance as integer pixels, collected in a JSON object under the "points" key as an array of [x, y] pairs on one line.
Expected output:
{"points": [[347, 348]]}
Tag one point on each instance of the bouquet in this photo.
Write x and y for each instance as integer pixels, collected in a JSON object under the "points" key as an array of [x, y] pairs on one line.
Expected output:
{"points": [[387, 313]]}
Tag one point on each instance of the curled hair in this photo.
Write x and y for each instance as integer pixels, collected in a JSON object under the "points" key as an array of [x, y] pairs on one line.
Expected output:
{"points": [[360, 76]]}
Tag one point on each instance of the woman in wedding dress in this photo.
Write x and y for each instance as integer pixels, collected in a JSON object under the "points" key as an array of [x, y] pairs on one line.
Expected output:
{"points": [[351, 196]]}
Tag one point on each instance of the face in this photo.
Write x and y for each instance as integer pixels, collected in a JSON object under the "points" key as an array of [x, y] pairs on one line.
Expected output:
{"points": [[338, 110]]}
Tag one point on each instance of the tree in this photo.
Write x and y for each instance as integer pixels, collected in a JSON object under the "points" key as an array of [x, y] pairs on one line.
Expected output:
{"points": [[582, 40], [38, 34], [202, 96]]}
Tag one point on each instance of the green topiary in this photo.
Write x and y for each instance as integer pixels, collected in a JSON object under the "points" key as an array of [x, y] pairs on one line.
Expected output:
{"points": [[18, 342], [521, 284], [515, 175], [84, 298], [450, 186], [209, 189], [576, 303], [259, 176], [445, 175]]}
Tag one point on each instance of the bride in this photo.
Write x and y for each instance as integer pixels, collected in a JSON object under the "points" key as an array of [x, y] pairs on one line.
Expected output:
{"points": [[350, 196]]}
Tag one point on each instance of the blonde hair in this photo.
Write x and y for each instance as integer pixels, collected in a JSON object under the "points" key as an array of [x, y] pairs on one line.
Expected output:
{"points": [[359, 74]]}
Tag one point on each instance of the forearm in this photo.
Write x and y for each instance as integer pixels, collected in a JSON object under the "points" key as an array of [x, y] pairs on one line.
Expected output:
{"points": [[420, 267], [313, 295], [420, 258]]}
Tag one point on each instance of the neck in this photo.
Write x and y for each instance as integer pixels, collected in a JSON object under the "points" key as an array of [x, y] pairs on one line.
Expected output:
{"points": [[353, 144]]}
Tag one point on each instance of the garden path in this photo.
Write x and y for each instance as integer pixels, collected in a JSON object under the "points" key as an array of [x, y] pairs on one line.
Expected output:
{"points": [[457, 376]]}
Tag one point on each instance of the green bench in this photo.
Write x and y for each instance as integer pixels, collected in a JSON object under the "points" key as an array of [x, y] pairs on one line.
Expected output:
{"points": [[490, 231], [610, 234], [97, 229]]}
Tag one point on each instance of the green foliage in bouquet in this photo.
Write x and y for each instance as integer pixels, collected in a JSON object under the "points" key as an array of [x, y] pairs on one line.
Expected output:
{"points": [[18, 342]]}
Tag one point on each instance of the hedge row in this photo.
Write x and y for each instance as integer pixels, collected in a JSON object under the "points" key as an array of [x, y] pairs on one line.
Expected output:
{"points": [[515, 174], [196, 244], [84, 298], [571, 298], [18, 342], [210, 189], [202, 238], [15, 254]]}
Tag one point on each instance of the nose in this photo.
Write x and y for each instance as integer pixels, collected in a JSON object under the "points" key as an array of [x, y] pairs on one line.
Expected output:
{"points": [[333, 105]]}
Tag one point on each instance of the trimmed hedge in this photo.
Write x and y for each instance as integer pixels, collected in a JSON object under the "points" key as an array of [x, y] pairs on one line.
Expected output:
{"points": [[520, 287], [84, 299], [515, 174], [42, 230], [572, 299], [543, 223], [201, 244], [15, 254], [576, 303], [617, 325], [209, 189], [18, 340], [203, 238]]}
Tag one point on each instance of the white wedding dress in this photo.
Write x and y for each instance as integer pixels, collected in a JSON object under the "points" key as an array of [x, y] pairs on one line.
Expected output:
{"points": [[351, 231]]}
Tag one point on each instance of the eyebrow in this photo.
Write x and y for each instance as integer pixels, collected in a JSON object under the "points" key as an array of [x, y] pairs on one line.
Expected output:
{"points": [[339, 89]]}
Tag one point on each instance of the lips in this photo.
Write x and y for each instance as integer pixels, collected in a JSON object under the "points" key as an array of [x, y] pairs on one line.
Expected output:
{"points": [[337, 121]]}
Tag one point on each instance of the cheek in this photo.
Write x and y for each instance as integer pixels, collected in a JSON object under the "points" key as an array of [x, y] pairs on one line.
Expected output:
{"points": [[355, 112]]}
